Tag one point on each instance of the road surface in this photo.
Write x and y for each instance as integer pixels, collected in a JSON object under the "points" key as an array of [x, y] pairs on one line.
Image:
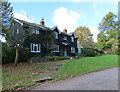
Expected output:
{"points": [[101, 80]]}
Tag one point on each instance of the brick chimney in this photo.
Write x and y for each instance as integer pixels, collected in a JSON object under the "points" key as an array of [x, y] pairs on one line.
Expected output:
{"points": [[42, 23], [65, 31]]}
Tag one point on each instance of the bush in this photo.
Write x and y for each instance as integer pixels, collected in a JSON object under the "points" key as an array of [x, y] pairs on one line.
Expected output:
{"points": [[79, 55], [8, 53], [51, 58], [118, 53], [89, 52], [23, 54]]}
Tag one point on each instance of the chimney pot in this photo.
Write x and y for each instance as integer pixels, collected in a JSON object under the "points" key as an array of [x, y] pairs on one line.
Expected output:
{"points": [[42, 23], [65, 31]]}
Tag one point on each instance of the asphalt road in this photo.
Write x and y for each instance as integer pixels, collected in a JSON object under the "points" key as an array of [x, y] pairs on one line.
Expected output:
{"points": [[101, 80]]}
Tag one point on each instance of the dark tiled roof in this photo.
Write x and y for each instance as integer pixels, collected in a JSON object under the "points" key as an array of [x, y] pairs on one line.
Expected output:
{"points": [[32, 24], [69, 34]]}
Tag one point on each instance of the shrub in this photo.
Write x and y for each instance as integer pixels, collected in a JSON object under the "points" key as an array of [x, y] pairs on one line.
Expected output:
{"points": [[56, 57], [49, 57], [23, 54], [89, 52], [8, 53], [79, 55], [118, 52]]}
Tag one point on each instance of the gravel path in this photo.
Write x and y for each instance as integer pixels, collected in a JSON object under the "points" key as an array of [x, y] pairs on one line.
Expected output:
{"points": [[101, 80]]}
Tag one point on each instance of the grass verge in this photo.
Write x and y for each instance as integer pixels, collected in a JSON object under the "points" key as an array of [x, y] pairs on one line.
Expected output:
{"points": [[85, 65], [21, 76]]}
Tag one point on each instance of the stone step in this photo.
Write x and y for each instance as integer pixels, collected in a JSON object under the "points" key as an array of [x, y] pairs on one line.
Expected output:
{"points": [[54, 68], [42, 79], [60, 64]]}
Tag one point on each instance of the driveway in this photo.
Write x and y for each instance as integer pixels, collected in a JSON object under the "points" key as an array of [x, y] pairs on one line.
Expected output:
{"points": [[101, 80]]}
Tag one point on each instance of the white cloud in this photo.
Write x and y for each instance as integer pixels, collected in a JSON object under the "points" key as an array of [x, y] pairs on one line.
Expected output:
{"points": [[23, 16], [115, 1], [94, 30], [66, 19]]}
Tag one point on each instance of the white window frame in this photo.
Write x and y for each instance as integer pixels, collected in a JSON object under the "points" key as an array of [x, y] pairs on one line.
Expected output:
{"points": [[72, 49], [33, 50], [17, 30], [33, 31], [57, 48], [37, 31], [65, 38], [72, 39], [56, 35]]}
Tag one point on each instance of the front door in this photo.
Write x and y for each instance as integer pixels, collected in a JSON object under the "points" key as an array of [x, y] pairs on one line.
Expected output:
{"points": [[65, 52]]}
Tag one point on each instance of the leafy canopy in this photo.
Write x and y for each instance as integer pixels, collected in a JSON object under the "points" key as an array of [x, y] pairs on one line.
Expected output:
{"points": [[84, 37], [108, 36]]}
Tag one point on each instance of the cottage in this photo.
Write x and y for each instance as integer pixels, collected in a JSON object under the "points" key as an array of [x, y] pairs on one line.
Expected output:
{"points": [[65, 44]]}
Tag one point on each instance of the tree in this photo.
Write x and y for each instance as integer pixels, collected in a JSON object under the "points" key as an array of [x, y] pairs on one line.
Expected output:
{"points": [[7, 13], [114, 45], [84, 37], [7, 17], [47, 40], [108, 31]]}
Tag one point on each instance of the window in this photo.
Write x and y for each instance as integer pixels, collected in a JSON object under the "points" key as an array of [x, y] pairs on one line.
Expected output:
{"points": [[56, 48], [36, 48], [65, 38], [72, 50], [37, 31], [13, 31], [72, 39], [17, 30], [56, 35], [33, 30]]}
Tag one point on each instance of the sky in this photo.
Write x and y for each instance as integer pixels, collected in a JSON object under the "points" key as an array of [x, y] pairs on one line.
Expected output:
{"points": [[66, 14]]}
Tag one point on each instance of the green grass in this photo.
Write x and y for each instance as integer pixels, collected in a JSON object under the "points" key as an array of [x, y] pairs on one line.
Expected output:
{"points": [[85, 65], [22, 75]]}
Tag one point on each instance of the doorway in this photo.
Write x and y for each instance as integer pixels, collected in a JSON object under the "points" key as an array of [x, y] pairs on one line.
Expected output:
{"points": [[65, 52]]}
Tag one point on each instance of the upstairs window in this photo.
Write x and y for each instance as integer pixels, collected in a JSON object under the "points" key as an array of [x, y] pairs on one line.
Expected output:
{"points": [[35, 48], [37, 31], [33, 30], [56, 35], [72, 39], [72, 50], [65, 38], [56, 48], [17, 30]]}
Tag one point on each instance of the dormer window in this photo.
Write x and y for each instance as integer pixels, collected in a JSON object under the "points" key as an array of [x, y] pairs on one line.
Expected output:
{"points": [[33, 30], [72, 39], [56, 35], [37, 31], [65, 38]]}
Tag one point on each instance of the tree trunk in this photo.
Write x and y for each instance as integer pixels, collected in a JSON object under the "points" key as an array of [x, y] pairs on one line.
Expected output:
{"points": [[16, 57]]}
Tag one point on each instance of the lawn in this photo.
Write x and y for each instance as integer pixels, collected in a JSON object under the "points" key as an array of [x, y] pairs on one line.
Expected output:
{"points": [[22, 75], [85, 65]]}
